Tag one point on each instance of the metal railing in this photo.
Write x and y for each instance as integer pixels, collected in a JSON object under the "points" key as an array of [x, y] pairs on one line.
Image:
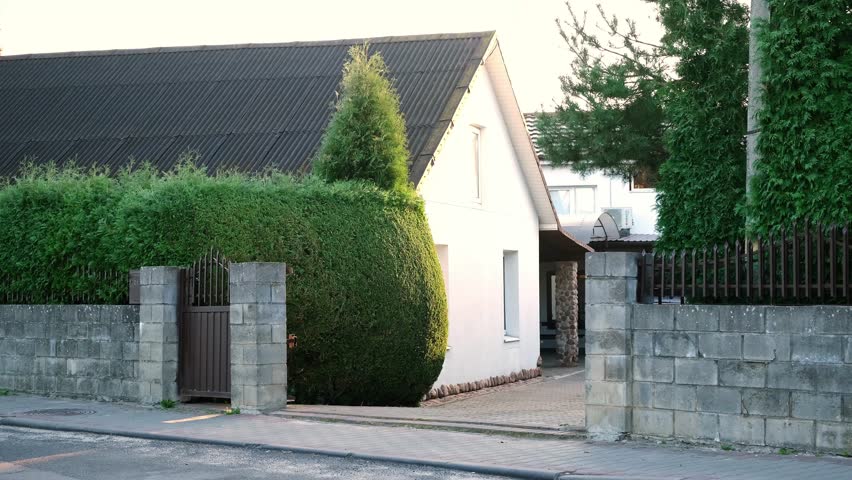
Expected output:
{"points": [[801, 265], [81, 286]]}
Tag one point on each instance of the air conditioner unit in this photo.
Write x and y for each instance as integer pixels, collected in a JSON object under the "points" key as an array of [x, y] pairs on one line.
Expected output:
{"points": [[623, 217]]}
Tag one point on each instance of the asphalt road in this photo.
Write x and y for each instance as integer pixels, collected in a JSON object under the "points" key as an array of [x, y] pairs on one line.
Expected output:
{"points": [[27, 454]]}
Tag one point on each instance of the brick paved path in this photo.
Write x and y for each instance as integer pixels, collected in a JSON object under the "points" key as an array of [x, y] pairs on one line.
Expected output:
{"points": [[554, 402], [579, 457]]}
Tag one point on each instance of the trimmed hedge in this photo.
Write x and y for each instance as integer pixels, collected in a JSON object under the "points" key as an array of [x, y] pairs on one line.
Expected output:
{"points": [[804, 173], [366, 298]]}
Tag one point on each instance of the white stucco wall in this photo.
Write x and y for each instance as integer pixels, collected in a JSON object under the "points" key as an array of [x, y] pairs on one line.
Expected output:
{"points": [[610, 193], [475, 235]]}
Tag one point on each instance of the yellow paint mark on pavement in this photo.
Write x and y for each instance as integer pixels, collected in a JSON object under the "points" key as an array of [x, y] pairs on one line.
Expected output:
{"points": [[192, 419], [18, 465]]}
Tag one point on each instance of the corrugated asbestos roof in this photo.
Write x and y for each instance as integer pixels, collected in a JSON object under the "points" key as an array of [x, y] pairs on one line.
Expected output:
{"points": [[239, 106]]}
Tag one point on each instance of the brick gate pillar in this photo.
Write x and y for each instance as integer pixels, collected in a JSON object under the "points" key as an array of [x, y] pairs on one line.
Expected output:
{"points": [[258, 327], [567, 314], [611, 280], [158, 333]]}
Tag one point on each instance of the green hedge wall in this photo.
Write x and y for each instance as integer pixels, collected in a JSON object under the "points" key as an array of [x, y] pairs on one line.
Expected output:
{"points": [[805, 167], [366, 298]]}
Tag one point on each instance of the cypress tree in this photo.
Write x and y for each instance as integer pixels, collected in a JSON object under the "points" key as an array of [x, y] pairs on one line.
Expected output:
{"points": [[365, 139]]}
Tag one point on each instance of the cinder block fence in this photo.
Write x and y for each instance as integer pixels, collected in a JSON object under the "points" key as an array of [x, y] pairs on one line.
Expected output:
{"points": [[131, 353], [774, 376]]}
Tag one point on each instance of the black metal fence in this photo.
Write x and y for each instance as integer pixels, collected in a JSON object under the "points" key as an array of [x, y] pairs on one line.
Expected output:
{"points": [[80, 286], [801, 265]]}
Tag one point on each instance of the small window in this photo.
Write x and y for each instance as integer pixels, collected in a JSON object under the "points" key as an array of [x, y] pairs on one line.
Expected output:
{"points": [[573, 200], [644, 179], [476, 152], [511, 294]]}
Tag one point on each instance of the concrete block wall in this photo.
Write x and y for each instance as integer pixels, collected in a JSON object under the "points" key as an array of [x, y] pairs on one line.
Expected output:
{"points": [[757, 375], [258, 328], [83, 351]]}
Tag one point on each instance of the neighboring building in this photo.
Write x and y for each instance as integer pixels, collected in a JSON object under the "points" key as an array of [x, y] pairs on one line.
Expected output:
{"points": [[251, 107], [604, 212]]}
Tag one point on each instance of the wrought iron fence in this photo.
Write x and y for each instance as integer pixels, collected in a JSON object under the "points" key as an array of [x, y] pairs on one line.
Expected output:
{"points": [[801, 265], [80, 286]]}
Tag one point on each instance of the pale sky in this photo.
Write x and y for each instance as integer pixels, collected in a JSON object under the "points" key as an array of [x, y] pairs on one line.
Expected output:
{"points": [[534, 52]]}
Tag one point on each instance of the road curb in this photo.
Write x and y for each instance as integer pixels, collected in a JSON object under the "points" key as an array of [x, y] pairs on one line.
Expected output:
{"points": [[524, 473]]}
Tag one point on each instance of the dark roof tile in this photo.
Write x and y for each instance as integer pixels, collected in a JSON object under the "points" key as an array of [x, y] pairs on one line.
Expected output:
{"points": [[239, 106]]}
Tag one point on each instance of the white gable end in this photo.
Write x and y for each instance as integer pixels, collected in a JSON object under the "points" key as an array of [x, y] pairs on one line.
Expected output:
{"points": [[474, 234]]}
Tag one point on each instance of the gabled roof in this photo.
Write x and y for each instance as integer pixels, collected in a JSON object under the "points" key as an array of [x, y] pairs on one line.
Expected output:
{"points": [[239, 106]]}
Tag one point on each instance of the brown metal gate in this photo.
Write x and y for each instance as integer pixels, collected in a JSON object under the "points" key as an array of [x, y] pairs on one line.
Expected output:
{"points": [[205, 363]]}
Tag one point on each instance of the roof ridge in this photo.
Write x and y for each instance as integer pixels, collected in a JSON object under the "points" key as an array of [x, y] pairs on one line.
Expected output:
{"points": [[238, 46]]}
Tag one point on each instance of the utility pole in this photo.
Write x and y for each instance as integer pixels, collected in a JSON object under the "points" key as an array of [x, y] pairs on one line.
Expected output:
{"points": [[759, 11]]}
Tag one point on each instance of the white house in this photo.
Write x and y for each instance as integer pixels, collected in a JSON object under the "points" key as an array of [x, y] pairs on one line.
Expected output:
{"points": [[472, 159]]}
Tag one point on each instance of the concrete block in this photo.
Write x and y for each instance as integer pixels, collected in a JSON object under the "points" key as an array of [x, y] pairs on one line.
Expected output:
{"points": [[697, 317], [617, 368], [607, 317], [742, 318], [720, 345], [659, 423], [834, 378], [739, 429], [607, 422], [832, 320], [735, 373], [607, 393], [279, 334], [595, 264], [817, 348], [719, 400], [766, 347], [271, 397], [653, 317], [695, 425], [815, 406], [848, 354], [770, 403], [643, 343], [151, 332], [689, 371], [607, 342], [271, 354], [675, 344], [158, 294], [792, 376], [610, 290], [272, 314], [675, 397], [652, 369], [270, 272], [643, 394], [834, 436], [790, 433], [846, 409], [622, 264], [594, 367]]}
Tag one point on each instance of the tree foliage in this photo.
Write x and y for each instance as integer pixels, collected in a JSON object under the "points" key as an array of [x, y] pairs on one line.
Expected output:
{"points": [[366, 138], [805, 167], [611, 118], [701, 192], [366, 297]]}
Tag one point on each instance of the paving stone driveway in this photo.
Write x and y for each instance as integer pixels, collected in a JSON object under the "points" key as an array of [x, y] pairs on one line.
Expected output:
{"points": [[552, 402]]}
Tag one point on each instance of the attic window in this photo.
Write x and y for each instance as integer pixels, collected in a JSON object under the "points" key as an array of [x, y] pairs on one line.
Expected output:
{"points": [[476, 150]]}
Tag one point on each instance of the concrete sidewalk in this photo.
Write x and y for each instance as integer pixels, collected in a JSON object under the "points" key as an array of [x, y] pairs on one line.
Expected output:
{"points": [[496, 454], [551, 404]]}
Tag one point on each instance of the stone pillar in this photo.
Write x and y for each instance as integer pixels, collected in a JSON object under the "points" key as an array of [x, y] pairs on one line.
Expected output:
{"points": [[611, 279], [258, 329], [158, 334], [567, 314]]}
